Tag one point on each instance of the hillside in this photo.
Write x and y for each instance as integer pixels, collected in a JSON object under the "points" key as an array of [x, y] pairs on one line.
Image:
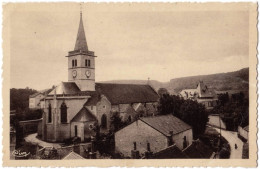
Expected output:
{"points": [[237, 80]]}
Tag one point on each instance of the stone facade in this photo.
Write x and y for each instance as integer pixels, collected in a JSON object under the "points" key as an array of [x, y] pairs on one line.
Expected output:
{"points": [[140, 133], [34, 102]]}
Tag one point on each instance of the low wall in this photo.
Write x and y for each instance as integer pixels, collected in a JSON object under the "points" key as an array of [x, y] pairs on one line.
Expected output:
{"points": [[30, 126]]}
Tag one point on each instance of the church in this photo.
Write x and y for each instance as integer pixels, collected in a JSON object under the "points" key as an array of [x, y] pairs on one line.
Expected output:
{"points": [[72, 108]]}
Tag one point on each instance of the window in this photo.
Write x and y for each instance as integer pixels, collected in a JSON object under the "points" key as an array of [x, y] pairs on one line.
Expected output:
{"points": [[75, 62], [63, 113], [104, 107], [49, 114], [184, 142], [129, 119], [104, 121], [72, 63], [87, 63]]}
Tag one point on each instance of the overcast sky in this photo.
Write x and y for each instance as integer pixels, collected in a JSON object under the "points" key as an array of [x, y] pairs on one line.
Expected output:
{"points": [[130, 44]]}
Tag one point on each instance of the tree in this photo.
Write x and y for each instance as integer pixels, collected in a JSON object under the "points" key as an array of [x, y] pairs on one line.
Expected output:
{"points": [[195, 115], [170, 104], [116, 122], [162, 91]]}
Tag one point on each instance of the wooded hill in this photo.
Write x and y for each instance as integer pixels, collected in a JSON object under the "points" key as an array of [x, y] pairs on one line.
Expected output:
{"points": [[237, 80]]}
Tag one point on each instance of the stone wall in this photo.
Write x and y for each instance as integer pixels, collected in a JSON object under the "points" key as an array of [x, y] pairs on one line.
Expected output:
{"points": [[140, 133], [104, 108]]}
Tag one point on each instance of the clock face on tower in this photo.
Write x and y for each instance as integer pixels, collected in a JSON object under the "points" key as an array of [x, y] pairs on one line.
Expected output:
{"points": [[74, 73], [87, 73]]}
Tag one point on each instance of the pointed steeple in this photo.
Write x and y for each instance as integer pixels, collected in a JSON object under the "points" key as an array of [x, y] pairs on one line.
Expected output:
{"points": [[81, 42]]}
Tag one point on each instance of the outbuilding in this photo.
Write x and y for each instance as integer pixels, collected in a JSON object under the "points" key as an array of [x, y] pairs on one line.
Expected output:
{"points": [[159, 132]]}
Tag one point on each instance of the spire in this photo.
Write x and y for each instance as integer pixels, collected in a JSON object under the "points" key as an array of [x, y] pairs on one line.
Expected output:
{"points": [[81, 42]]}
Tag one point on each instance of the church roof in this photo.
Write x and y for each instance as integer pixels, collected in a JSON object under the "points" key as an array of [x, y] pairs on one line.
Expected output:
{"points": [[84, 115], [166, 124], [127, 93], [66, 88], [81, 42]]}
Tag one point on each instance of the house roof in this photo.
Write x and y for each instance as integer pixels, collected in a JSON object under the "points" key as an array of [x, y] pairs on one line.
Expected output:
{"points": [[166, 124], [127, 93], [84, 115], [34, 95], [169, 153], [204, 91], [73, 156], [246, 128], [45, 91]]}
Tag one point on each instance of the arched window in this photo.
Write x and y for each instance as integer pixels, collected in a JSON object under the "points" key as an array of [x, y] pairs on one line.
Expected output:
{"points": [[49, 114], [104, 121], [75, 62], [72, 63], [63, 113]]}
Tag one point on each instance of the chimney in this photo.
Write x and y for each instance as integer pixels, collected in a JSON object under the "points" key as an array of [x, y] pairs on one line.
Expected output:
{"points": [[135, 152], [170, 142], [148, 154]]}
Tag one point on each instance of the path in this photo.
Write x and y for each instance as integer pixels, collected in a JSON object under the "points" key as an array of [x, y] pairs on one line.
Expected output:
{"points": [[232, 139], [34, 140]]}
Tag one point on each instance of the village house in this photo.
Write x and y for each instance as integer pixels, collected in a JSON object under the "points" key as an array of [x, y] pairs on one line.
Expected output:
{"points": [[35, 100], [75, 108], [159, 132], [202, 94]]}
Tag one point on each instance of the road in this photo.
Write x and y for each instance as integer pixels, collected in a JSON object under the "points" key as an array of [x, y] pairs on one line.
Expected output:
{"points": [[232, 139], [34, 140]]}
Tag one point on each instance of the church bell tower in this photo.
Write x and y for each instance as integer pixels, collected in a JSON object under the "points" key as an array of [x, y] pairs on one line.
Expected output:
{"points": [[81, 62]]}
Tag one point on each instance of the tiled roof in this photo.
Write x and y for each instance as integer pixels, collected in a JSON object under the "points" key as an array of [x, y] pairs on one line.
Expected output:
{"points": [[127, 93], [166, 124], [169, 153], [34, 95], [45, 91], [84, 115], [95, 97], [116, 93], [73, 156], [246, 128], [66, 88], [204, 91]]}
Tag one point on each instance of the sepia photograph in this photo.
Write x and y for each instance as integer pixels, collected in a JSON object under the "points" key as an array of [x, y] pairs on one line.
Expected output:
{"points": [[146, 81]]}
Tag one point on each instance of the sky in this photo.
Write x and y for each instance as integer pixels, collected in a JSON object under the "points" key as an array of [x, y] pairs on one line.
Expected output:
{"points": [[129, 43]]}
